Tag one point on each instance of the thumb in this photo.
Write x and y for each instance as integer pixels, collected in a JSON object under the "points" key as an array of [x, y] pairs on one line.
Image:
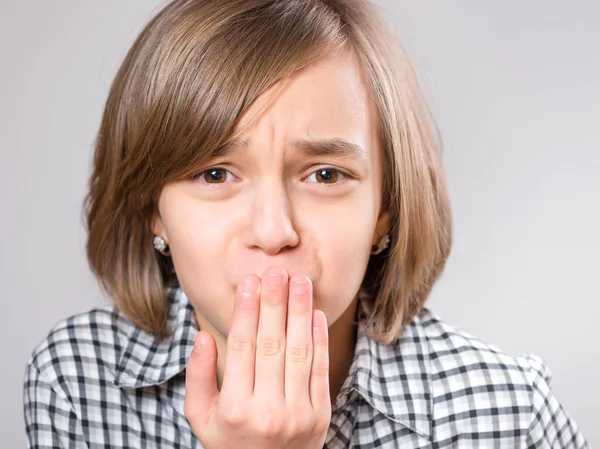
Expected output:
{"points": [[201, 392]]}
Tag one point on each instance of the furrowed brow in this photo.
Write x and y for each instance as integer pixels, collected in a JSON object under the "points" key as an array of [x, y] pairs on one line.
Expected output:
{"points": [[336, 147]]}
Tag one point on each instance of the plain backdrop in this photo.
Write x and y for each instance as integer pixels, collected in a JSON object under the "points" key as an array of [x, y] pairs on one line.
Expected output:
{"points": [[515, 89]]}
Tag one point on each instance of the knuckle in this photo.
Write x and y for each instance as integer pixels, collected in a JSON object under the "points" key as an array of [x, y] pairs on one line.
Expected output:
{"points": [[321, 425], [301, 426], [301, 312], [192, 376], [270, 347], [299, 353], [234, 417], [300, 308], [320, 369], [189, 411], [270, 424], [240, 343], [272, 300]]}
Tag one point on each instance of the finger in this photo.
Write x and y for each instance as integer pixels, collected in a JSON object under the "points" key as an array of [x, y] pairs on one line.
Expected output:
{"points": [[298, 347], [238, 376], [319, 375], [201, 393], [270, 339]]}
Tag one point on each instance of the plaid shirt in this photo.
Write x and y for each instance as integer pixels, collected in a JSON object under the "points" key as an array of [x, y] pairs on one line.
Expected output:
{"points": [[97, 381]]}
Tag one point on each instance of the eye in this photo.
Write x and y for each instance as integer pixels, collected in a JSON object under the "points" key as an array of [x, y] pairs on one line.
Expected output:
{"points": [[326, 176], [214, 175]]}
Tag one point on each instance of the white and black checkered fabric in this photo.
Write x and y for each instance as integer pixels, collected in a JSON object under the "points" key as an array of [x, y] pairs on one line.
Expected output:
{"points": [[97, 381]]}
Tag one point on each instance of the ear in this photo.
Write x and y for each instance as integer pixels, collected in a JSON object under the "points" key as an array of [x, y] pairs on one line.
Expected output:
{"points": [[158, 227], [382, 227]]}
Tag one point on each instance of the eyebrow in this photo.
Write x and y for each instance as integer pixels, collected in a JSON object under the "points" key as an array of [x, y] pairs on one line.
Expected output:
{"points": [[336, 147]]}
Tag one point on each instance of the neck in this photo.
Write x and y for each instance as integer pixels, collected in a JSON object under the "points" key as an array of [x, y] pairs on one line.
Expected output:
{"points": [[342, 342]]}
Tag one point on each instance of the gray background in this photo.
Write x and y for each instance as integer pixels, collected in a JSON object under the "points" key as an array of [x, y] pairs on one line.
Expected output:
{"points": [[515, 88]]}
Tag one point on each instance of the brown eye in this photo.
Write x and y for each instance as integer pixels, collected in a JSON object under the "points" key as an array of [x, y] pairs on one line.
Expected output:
{"points": [[215, 175], [327, 175]]}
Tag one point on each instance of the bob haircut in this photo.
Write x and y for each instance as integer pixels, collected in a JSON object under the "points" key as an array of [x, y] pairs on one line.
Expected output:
{"points": [[192, 72]]}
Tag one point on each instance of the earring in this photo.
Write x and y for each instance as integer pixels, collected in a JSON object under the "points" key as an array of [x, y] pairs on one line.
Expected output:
{"points": [[381, 246], [160, 245]]}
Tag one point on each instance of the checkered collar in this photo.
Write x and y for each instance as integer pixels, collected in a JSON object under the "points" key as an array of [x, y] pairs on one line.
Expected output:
{"points": [[394, 380], [147, 361]]}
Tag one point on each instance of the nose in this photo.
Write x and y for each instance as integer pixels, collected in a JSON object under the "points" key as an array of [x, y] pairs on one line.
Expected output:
{"points": [[271, 225]]}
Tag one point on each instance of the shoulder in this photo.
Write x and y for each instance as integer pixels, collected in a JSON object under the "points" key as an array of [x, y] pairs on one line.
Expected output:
{"points": [[475, 381], [83, 346], [455, 352], [479, 389]]}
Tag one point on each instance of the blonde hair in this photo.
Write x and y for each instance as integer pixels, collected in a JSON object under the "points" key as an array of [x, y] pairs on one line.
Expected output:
{"points": [[190, 75]]}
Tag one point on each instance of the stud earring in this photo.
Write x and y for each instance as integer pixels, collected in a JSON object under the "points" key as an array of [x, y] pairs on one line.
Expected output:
{"points": [[381, 246], [160, 245]]}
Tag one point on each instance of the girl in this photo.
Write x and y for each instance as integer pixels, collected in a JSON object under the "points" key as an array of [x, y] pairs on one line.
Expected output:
{"points": [[268, 212]]}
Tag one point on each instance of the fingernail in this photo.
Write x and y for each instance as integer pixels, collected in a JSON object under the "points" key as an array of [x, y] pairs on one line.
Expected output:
{"points": [[274, 280], [198, 343], [319, 319], [300, 287], [250, 285]]}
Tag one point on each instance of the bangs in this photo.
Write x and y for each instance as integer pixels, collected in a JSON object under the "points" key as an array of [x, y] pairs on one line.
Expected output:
{"points": [[201, 74]]}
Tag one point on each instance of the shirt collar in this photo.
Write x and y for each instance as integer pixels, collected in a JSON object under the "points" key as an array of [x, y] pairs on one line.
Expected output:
{"points": [[147, 361], [394, 379]]}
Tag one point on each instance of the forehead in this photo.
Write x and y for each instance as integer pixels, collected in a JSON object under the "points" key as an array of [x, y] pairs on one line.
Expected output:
{"points": [[326, 99]]}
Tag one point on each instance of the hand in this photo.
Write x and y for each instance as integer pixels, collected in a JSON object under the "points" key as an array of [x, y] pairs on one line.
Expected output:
{"points": [[275, 389]]}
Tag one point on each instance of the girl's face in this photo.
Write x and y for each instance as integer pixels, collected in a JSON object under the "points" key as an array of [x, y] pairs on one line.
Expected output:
{"points": [[301, 189]]}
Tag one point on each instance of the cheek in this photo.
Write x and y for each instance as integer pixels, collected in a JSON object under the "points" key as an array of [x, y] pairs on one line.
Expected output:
{"points": [[343, 250], [190, 242], [197, 247]]}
